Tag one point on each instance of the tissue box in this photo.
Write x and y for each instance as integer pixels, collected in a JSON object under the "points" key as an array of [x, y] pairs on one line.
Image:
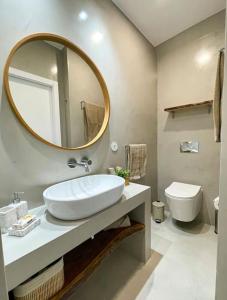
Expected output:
{"points": [[8, 216]]}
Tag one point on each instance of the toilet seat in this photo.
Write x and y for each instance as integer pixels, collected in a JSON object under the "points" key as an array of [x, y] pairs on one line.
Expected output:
{"points": [[182, 191]]}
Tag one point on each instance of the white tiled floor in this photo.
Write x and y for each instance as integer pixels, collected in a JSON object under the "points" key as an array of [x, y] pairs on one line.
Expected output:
{"points": [[188, 269]]}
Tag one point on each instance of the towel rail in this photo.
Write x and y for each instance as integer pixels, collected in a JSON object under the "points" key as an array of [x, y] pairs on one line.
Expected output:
{"points": [[82, 104]]}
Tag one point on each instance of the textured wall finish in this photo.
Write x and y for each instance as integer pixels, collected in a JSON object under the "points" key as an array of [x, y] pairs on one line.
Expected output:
{"points": [[186, 74], [128, 64]]}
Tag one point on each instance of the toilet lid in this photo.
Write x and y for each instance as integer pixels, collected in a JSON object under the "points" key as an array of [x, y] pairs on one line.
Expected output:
{"points": [[183, 190]]}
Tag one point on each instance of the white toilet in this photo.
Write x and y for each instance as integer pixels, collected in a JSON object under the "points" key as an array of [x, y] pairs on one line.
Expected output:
{"points": [[184, 201]]}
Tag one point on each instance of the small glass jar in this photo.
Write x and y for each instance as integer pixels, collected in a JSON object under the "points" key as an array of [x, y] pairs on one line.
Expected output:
{"points": [[126, 181]]}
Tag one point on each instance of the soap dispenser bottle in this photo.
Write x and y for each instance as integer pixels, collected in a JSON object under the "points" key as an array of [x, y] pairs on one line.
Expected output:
{"points": [[20, 205]]}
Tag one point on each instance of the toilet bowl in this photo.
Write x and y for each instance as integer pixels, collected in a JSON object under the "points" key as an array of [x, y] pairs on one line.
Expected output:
{"points": [[184, 201]]}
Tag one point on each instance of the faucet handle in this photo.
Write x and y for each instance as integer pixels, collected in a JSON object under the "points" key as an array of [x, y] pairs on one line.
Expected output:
{"points": [[86, 160], [89, 162], [72, 163]]}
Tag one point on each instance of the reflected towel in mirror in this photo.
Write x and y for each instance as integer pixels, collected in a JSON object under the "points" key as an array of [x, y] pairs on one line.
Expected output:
{"points": [[93, 120]]}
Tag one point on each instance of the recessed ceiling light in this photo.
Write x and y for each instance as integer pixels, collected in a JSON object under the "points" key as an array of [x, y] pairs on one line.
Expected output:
{"points": [[54, 70], [97, 37], [83, 16], [203, 57]]}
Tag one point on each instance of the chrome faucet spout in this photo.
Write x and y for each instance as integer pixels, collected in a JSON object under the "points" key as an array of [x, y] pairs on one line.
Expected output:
{"points": [[85, 162]]}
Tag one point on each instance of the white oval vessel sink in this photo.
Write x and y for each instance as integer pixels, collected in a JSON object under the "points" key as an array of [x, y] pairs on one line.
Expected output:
{"points": [[82, 197]]}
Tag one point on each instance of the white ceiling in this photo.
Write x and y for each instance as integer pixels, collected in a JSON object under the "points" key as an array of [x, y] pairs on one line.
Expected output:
{"points": [[160, 20]]}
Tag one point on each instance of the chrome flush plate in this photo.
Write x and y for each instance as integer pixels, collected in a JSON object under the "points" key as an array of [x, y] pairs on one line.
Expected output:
{"points": [[189, 147]]}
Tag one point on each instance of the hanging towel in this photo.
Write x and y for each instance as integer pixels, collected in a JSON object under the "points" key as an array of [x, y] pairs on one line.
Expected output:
{"points": [[136, 160], [93, 120], [218, 97]]}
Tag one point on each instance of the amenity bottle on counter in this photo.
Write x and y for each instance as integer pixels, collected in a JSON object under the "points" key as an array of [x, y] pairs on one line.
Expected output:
{"points": [[20, 205]]}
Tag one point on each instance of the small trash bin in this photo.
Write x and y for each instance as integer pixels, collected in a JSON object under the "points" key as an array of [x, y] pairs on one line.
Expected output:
{"points": [[216, 207], [158, 211]]}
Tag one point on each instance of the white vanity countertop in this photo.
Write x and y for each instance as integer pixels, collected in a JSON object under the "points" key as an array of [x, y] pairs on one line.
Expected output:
{"points": [[50, 229]]}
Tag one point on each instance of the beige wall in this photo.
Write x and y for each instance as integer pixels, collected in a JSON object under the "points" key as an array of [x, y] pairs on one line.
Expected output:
{"points": [[128, 64], [182, 78]]}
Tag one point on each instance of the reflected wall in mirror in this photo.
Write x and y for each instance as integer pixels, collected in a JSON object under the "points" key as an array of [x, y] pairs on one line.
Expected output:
{"points": [[57, 92]]}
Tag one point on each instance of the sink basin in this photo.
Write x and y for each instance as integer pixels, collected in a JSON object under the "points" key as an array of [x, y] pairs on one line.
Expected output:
{"points": [[82, 197]]}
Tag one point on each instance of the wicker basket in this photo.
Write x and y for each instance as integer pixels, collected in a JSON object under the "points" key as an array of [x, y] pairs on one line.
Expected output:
{"points": [[44, 285]]}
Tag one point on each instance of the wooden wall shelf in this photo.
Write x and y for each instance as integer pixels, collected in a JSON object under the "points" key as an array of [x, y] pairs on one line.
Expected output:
{"points": [[174, 109], [84, 259]]}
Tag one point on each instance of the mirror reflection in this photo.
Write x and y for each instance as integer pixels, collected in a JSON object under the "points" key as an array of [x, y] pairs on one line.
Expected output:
{"points": [[56, 93]]}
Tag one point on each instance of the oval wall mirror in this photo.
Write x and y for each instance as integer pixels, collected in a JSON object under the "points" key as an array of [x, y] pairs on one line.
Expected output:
{"points": [[57, 92]]}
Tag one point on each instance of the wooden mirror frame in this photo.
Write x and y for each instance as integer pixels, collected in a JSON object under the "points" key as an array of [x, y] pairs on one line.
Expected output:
{"points": [[85, 57]]}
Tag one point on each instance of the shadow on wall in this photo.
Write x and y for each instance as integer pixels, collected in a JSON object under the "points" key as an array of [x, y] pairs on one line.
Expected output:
{"points": [[193, 119]]}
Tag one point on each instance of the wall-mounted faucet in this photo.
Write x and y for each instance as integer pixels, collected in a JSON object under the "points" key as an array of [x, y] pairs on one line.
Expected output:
{"points": [[85, 162]]}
